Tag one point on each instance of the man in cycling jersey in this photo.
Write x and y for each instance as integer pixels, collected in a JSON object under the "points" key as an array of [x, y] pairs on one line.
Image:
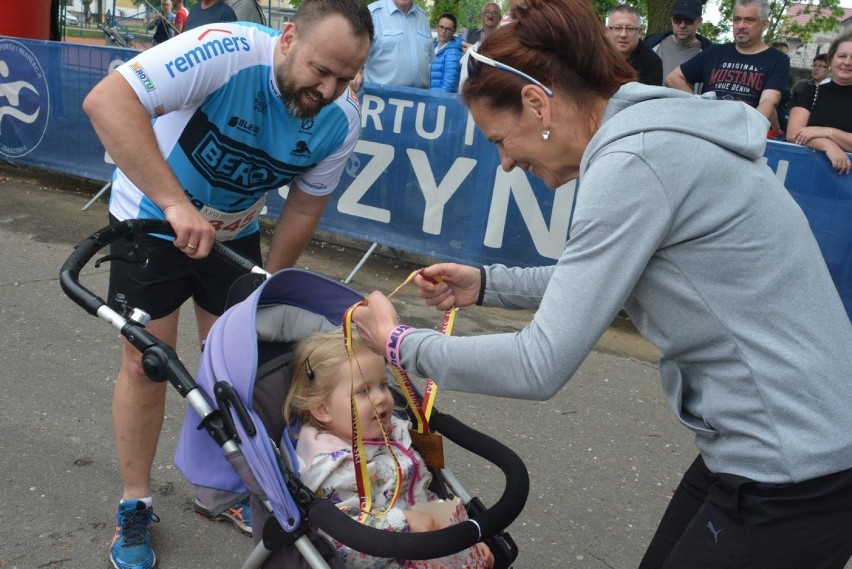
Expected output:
{"points": [[200, 129]]}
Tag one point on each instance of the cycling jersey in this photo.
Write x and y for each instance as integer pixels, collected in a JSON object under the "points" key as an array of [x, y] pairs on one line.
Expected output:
{"points": [[224, 131]]}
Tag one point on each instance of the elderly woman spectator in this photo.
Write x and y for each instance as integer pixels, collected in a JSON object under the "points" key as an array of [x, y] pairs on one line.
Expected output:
{"points": [[445, 70], [821, 117]]}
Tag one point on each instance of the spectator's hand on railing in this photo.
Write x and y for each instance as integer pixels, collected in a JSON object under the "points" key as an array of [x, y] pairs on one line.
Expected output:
{"points": [[839, 159]]}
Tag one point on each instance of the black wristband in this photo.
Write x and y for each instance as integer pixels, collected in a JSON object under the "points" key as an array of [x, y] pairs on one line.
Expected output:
{"points": [[481, 296]]}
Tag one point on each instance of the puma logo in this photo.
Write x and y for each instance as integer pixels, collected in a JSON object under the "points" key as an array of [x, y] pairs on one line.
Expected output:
{"points": [[714, 531]]}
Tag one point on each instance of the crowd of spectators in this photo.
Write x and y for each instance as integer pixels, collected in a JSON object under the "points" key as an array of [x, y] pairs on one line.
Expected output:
{"points": [[747, 69]]}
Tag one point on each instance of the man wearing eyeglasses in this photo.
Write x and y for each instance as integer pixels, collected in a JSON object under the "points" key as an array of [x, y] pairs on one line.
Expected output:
{"points": [[625, 30], [490, 17], [683, 42], [746, 70]]}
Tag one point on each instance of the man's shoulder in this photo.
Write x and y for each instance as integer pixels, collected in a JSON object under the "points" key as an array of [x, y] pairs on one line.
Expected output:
{"points": [[655, 39], [374, 7], [645, 54], [717, 52]]}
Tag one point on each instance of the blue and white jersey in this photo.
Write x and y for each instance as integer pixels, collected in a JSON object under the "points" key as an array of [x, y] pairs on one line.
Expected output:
{"points": [[224, 130]]}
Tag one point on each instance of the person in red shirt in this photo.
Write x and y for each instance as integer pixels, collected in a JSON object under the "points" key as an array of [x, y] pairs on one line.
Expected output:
{"points": [[180, 15]]}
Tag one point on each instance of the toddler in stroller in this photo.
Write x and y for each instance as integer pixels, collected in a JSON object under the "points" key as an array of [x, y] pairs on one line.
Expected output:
{"points": [[235, 417], [327, 387]]}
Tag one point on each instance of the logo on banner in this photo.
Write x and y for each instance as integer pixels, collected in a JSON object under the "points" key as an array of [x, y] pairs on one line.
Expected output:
{"points": [[24, 100]]}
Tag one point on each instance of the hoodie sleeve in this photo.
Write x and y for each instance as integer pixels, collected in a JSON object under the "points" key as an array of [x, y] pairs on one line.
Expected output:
{"points": [[621, 217]]}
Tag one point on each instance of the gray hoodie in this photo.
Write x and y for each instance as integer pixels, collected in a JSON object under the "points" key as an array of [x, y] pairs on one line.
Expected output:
{"points": [[679, 221]]}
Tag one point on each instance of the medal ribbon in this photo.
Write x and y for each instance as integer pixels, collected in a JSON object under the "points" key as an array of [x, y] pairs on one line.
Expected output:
{"points": [[420, 406]]}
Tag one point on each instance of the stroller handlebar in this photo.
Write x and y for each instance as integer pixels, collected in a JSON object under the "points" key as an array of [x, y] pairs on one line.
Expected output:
{"points": [[441, 543], [69, 274]]}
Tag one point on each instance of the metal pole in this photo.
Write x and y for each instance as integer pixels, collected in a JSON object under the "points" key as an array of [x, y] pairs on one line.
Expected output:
{"points": [[360, 263], [97, 195]]}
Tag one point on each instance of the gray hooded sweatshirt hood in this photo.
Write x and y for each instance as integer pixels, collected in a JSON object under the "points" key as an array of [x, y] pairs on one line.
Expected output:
{"points": [[679, 221]]}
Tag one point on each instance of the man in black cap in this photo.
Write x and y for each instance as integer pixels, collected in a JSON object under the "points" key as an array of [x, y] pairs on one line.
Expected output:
{"points": [[682, 43]]}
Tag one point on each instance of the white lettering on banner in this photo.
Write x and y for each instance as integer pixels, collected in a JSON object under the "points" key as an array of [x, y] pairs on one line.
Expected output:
{"points": [[439, 122], [400, 105], [114, 63], [548, 243], [348, 203], [469, 130], [781, 171], [437, 195], [372, 107]]}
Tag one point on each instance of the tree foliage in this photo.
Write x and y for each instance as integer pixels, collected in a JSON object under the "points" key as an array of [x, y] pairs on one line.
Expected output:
{"points": [[825, 15]]}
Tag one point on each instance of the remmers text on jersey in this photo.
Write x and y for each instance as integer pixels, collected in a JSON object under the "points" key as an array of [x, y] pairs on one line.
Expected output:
{"points": [[206, 52]]}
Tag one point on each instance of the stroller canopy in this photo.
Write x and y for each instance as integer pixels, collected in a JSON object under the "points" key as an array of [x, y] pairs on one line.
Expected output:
{"points": [[231, 355]]}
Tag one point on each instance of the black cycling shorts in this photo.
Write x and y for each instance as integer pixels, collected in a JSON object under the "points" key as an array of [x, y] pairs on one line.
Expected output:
{"points": [[169, 278]]}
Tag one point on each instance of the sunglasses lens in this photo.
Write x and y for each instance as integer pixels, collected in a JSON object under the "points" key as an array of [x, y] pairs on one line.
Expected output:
{"points": [[472, 66]]}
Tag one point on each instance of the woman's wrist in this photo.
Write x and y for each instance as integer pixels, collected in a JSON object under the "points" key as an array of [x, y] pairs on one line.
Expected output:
{"points": [[481, 296], [393, 344]]}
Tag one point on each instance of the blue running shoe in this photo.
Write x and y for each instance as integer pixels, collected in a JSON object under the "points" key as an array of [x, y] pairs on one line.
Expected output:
{"points": [[131, 545], [239, 515]]}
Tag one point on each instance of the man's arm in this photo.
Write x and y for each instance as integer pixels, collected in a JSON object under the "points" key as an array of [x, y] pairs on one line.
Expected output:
{"points": [[124, 127], [295, 226], [769, 100], [676, 80]]}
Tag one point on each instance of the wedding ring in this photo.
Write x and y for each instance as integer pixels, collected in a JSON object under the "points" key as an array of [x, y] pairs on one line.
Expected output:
{"points": [[193, 247]]}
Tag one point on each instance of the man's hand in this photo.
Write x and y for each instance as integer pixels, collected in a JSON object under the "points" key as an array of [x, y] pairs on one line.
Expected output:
{"points": [[193, 233]]}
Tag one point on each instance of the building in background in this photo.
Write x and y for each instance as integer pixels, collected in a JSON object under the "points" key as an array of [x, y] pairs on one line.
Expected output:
{"points": [[802, 54]]}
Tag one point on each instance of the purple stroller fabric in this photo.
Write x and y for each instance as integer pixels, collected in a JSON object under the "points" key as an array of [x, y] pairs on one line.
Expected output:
{"points": [[231, 355]]}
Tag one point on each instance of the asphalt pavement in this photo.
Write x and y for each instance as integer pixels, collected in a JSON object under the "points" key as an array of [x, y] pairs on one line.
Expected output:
{"points": [[604, 454]]}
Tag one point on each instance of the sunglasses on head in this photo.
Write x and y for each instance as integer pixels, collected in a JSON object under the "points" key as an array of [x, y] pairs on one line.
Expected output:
{"points": [[476, 58]]}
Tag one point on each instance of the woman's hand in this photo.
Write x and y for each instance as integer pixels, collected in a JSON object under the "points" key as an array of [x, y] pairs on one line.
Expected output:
{"points": [[839, 159], [445, 285], [811, 132], [420, 521], [375, 320]]}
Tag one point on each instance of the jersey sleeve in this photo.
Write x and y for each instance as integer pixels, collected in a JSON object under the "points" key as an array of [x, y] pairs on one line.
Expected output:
{"points": [[192, 65], [323, 178]]}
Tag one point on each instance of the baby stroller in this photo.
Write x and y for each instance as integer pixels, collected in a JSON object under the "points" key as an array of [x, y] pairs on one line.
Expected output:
{"points": [[236, 399]]}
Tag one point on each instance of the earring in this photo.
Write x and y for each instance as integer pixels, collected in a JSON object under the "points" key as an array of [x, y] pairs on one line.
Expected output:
{"points": [[545, 134]]}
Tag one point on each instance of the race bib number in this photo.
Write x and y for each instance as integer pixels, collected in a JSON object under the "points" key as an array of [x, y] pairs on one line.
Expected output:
{"points": [[229, 224]]}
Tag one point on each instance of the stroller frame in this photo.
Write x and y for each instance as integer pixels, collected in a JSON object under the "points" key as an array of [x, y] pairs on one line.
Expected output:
{"points": [[305, 512]]}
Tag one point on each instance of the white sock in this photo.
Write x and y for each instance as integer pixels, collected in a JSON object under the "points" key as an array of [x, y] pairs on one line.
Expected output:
{"points": [[148, 500]]}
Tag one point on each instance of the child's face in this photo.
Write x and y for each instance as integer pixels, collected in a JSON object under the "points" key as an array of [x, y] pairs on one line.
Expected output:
{"points": [[370, 385]]}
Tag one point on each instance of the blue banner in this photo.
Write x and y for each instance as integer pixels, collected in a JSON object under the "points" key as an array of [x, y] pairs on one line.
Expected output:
{"points": [[425, 180], [422, 179]]}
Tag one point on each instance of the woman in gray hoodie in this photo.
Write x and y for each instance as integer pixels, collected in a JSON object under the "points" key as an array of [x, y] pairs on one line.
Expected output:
{"points": [[678, 221]]}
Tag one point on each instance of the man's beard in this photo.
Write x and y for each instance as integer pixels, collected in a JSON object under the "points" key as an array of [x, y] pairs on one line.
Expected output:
{"points": [[292, 94]]}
